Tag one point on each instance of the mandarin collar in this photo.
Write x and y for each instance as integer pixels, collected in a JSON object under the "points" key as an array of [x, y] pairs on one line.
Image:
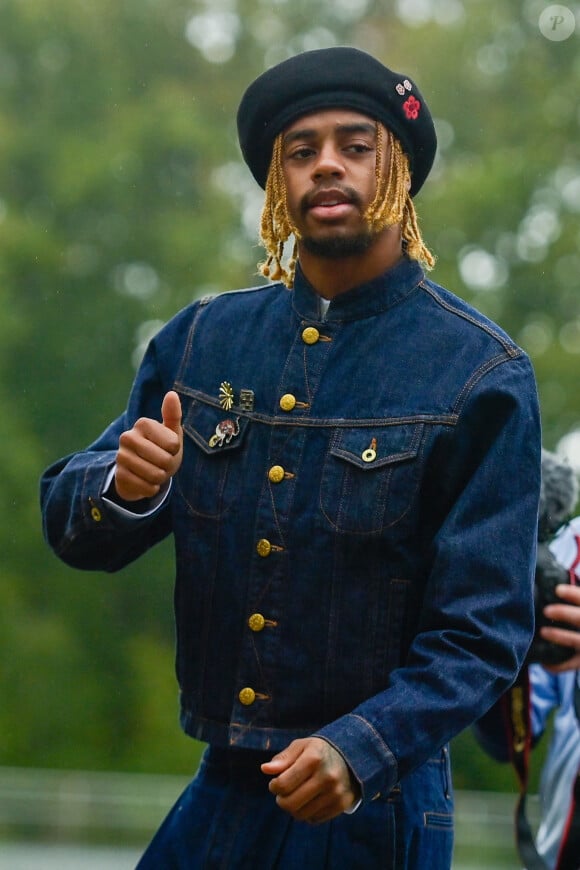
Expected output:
{"points": [[364, 300]]}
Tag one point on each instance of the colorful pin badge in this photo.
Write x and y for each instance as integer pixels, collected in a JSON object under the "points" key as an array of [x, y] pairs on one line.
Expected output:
{"points": [[224, 432], [247, 400], [402, 87], [226, 396], [412, 105]]}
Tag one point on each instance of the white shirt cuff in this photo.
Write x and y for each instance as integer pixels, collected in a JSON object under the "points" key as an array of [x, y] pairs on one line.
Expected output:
{"points": [[154, 503], [354, 808]]}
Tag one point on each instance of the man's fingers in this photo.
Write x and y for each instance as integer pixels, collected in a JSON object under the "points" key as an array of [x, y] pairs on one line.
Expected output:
{"points": [[133, 487], [304, 805], [569, 592], [561, 636], [152, 467], [567, 613], [315, 802], [148, 443], [571, 664]]}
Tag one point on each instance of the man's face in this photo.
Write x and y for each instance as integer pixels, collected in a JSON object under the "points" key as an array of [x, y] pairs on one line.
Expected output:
{"points": [[329, 161]]}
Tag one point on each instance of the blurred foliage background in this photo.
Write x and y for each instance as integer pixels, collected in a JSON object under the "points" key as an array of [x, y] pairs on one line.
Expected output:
{"points": [[123, 197]]}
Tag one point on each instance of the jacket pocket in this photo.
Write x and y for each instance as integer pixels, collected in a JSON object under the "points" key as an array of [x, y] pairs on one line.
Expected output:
{"points": [[212, 446], [370, 476]]}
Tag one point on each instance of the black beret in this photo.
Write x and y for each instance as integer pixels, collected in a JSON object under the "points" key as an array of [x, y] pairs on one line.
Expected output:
{"points": [[339, 77]]}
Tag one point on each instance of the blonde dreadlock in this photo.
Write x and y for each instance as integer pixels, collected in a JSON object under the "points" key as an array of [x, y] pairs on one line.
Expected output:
{"points": [[275, 223], [392, 204]]}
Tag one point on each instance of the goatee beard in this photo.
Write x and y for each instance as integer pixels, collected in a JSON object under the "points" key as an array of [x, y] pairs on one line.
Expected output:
{"points": [[337, 247]]}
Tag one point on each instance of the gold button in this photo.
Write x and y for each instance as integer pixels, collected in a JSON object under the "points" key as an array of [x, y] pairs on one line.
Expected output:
{"points": [[96, 514], [276, 474], [247, 696], [310, 335], [256, 622], [288, 402], [264, 547]]}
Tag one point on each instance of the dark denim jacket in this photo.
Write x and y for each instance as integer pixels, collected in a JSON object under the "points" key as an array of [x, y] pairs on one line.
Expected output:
{"points": [[355, 547]]}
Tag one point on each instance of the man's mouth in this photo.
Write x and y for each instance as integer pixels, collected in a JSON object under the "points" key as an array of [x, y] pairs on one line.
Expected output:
{"points": [[329, 204], [328, 199]]}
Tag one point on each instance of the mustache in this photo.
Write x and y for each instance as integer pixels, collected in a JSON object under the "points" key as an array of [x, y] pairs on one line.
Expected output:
{"points": [[349, 194]]}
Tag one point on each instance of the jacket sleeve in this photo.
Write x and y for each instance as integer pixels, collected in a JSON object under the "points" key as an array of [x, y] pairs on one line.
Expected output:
{"points": [[476, 619], [491, 733], [84, 529]]}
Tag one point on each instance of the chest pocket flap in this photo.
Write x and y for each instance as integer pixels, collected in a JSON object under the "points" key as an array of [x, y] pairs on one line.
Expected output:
{"points": [[371, 448], [213, 429], [370, 476]]}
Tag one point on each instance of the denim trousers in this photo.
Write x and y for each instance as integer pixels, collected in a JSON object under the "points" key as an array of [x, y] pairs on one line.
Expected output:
{"points": [[226, 819]]}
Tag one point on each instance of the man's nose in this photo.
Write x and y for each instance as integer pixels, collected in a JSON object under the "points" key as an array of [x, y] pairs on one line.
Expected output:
{"points": [[329, 163]]}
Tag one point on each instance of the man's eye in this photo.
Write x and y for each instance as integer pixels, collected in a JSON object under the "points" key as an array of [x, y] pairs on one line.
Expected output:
{"points": [[359, 147], [301, 153]]}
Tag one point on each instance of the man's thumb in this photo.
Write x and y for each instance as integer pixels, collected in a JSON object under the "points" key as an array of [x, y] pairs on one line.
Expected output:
{"points": [[282, 760], [171, 412]]}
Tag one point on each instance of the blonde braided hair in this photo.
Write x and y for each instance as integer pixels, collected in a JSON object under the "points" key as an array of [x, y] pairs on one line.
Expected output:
{"points": [[392, 204]]}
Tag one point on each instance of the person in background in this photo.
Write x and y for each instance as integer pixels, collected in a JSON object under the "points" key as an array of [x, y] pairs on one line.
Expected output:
{"points": [[329, 451], [551, 688]]}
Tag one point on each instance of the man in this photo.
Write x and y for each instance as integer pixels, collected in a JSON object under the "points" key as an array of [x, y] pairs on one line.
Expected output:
{"points": [[551, 686], [557, 688], [329, 452]]}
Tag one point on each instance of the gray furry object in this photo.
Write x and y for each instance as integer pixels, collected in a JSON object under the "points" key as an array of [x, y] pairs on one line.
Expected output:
{"points": [[558, 494]]}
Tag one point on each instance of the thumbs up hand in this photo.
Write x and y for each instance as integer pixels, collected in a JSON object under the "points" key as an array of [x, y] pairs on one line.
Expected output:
{"points": [[150, 453]]}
